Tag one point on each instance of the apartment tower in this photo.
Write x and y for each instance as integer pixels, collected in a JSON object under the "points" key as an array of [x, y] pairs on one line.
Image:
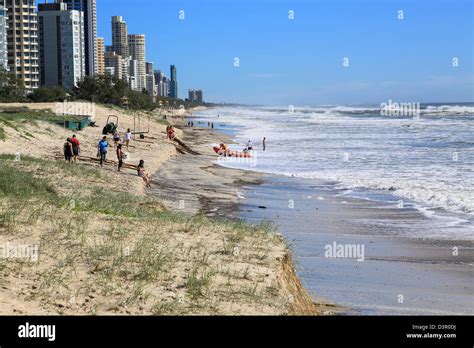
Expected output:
{"points": [[120, 36], [62, 45], [100, 56], [22, 41], [3, 38], [136, 43], [173, 82], [89, 8]]}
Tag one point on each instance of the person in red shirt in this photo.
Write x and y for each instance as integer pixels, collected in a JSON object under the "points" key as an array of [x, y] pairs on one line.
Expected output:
{"points": [[76, 147]]}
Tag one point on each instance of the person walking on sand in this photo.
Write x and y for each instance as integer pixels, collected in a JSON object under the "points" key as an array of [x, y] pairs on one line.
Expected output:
{"points": [[264, 143], [170, 132], [68, 152], [76, 147], [102, 148], [116, 138], [143, 174], [128, 137], [119, 156]]}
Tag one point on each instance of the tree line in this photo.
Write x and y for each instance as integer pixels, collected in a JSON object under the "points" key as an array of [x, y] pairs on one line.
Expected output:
{"points": [[104, 89]]}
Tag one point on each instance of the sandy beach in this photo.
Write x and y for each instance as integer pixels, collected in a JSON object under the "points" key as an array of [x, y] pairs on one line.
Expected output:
{"points": [[413, 262], [108, 246]]}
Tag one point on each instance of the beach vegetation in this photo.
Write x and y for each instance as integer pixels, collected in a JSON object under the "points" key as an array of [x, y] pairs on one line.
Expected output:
{"points": [[117, 253]]}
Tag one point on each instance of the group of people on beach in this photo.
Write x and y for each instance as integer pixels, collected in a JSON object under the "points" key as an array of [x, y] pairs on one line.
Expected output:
{"points": [[72, 149], [209, 124]]}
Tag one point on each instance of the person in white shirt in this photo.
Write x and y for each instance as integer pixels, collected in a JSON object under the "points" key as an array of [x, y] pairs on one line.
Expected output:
{"points": [[128, 136], [249, 146]]}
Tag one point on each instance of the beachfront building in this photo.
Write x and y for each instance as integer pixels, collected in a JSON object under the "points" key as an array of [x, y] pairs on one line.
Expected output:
{"points": [[100, 56], [149, 68], [150, 80], [133, 80], [3, 38], [195, 96], [113, 60], [120, 36], [89, 9], [126, 68], [136, 44], [162, 84], [22, 41], [150, 85], [62, 48], [173, 92]]}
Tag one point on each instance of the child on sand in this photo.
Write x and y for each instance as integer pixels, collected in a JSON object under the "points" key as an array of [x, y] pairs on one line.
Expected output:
{"points": [[143, 174]]}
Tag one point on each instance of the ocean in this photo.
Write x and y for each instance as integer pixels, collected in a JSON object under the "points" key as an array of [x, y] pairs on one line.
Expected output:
{"points": [[420, 158]]}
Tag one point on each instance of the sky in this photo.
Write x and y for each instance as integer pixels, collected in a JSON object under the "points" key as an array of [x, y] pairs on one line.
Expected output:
{"points": [[255, 52]]}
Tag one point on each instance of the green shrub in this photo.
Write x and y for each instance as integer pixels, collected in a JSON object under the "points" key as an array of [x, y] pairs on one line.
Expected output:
{"points": [[48, 95]]}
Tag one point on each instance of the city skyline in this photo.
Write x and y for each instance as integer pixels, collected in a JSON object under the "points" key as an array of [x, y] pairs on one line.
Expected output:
{"points": [[404, 56], [49, 44]]}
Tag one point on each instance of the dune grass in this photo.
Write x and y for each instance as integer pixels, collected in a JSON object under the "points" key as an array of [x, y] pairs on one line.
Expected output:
{"points": [[11, 115], [114, 252]]}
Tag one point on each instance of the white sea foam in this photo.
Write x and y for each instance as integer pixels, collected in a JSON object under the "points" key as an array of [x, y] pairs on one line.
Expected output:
{"points": [[429, 161]]}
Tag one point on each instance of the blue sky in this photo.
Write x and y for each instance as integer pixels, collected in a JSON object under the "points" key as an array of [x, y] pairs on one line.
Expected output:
{"points": [[300, 61]]}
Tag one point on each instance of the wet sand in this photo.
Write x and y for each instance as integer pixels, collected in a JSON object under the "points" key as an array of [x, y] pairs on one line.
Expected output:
{"points": [[196, 185], [399, 275]]}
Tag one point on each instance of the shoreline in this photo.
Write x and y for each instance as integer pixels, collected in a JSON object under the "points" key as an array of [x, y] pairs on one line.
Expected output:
{"points": [[425, 272], [94, 220], [397, 257], [206, 188]]}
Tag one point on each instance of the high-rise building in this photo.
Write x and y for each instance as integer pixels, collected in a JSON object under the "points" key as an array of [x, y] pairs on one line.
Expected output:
{"points": [[126, 69], [195, 95], [167, 83], [120, 36], [22, 41], [136, 44], [200, 99], [150, 85], [133, 78], [149, 68], [100, 56], [89, 8], [115, 61], [173, 82], [62, 48], [3, 38], [160, 81], [150, 80]]}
